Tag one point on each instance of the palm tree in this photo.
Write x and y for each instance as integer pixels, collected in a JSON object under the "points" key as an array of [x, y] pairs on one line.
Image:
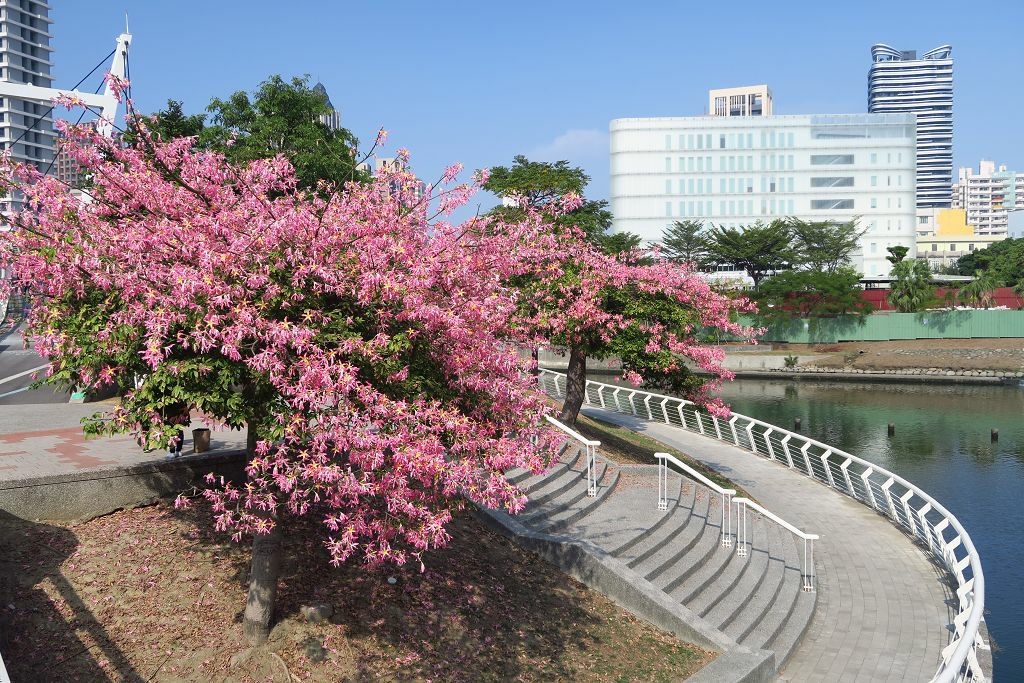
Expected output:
{"points": [[979, 291], [912, 288]]}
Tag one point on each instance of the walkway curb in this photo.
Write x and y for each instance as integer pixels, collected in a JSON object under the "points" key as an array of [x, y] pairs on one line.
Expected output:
{"points": [[82, 496], [600, 571]]}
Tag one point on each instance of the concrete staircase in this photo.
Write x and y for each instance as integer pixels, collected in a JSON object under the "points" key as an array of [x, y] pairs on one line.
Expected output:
{"points": [[755, 600]]}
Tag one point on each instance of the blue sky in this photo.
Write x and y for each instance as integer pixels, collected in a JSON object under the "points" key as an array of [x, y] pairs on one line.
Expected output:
{"points": [[481, 82]]}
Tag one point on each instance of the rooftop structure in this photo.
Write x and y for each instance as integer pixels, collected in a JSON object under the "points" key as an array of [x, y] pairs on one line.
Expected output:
{"points": [[748, 100]]}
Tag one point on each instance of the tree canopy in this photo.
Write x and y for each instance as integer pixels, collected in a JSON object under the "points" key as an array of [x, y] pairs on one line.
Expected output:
{"points": [[758, 249], [604, 300], [824, 246], [912, 288], [283, 117], [364, 346], [1004, 260], [807, 293], [685, 242]]}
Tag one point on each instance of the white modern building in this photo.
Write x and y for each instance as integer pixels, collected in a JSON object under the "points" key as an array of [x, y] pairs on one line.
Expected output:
{"points": [[900, 82], [988, 195], [26, 127], [733, 171], [332, 119]]}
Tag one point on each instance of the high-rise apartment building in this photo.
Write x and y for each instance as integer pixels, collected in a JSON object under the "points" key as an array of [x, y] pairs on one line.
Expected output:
{"points": [[26, 129], [733, 171], [900, 82], [749, 100], [988, 196]]}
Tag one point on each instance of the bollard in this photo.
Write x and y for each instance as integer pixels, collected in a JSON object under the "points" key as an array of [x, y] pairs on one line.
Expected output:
{"points": [[892, 428], [201, 440], [995, 435], [796, 425]]}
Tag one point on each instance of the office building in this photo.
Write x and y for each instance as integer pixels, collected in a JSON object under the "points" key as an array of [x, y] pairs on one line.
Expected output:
{"points": [[26, 127], [954, 237], [988, 195], [750, 100], [900, 82], [733, 171], [332, 119]]}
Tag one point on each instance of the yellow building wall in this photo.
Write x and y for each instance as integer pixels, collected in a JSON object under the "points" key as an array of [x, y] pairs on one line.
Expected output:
{"points": [[953, 223]]}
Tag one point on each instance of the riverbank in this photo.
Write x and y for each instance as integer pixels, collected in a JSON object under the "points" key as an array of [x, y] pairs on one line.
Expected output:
{"points": [[941, 361]]}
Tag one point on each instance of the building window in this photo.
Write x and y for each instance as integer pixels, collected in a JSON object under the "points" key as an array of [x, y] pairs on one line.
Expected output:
{"points": [[874, 158], [668, 142], [935, 247], [874, 202], [831, 159], [721, 142], [923, 220], [720, 106], [970, 247], [832, 181], [831, 204]]}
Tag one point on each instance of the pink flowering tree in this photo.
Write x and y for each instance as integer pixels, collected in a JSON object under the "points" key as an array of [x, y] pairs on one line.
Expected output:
{"points": [[360, 340], [608, 298]]}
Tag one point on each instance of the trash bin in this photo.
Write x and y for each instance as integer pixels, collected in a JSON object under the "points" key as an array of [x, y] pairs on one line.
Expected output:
{"points": [[201, 440]]}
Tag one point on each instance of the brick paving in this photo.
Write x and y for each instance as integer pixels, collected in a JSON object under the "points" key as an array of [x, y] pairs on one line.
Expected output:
{"points": [[47, 440], [882, 611]]}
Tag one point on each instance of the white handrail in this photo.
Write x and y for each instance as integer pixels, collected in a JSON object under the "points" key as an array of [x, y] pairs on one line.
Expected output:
{"points": [[917, 512], [727, 494], [807, 571], [590, 453]]}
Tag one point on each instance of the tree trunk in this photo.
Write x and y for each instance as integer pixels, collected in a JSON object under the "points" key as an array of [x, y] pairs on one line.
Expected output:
{"points": [[251, 438], [266, 566], [535, 355], [575, 386]]}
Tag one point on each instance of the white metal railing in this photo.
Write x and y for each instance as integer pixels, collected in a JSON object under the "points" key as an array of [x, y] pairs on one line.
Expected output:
{"points": [[590, 450], [889, 494], [807, 570], [663, 460]]}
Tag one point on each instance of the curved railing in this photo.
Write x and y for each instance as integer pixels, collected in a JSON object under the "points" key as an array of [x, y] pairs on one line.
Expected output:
{"points": [[906, 505]]}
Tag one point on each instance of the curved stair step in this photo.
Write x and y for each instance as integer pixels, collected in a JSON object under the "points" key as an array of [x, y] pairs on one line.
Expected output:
{"points": [[628, 514], [559, 521], [679, 506], [684, 528], [674, 546], [755, 609], [782, 635], [557, 484], [520, 475], [717, 576], [720, 609], [567, 491], [701, 552]]}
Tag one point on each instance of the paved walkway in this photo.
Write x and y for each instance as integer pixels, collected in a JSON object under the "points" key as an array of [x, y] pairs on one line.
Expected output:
{"points": [[882, 610], [46, 440]]}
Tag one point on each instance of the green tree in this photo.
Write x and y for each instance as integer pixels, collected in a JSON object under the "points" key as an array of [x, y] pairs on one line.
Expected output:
{"points": [[283, 118], [684, 242], [1005, 259], [824, 245], [980, 290], [541, 184], [912, 288], [807, 293], [169, 124], [758, 249], [896, 254]]}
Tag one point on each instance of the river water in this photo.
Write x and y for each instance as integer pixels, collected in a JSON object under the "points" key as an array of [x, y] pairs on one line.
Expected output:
{"points": [[943, 445]]}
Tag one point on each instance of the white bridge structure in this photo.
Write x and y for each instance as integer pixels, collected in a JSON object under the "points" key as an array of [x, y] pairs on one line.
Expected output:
{"points": [[104, 104], [901, 502]]}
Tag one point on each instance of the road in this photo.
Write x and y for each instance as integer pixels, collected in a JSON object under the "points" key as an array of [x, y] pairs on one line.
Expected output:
{"points": [[15, 360]]}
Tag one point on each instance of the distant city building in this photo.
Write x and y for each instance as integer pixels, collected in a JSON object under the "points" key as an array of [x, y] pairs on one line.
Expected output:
{"points": [[988, 195], [733, 171], [66, 169], [750, 100], [900, 82], [393, 165], [954, 237], [332, 119], [26, 127]]}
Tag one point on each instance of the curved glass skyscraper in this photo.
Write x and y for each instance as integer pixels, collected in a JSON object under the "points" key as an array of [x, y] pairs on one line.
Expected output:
{"points": [[900, 82]]}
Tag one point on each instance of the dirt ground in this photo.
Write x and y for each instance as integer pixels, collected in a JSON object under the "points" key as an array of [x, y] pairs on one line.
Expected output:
{"points": [[951, 354], [153, 594]]}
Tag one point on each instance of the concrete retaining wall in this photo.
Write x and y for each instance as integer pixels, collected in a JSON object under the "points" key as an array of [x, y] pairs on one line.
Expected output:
{"points": [[82, 496]]}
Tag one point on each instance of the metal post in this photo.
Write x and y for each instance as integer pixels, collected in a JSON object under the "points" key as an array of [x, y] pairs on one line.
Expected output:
{"points": [[662, 484], [591, 483], [808, 566]]}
